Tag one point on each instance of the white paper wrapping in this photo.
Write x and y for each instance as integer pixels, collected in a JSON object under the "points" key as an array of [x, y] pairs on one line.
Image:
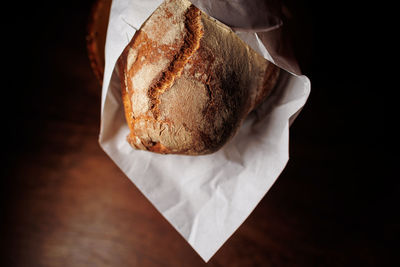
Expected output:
{"points": [[205, 198]]}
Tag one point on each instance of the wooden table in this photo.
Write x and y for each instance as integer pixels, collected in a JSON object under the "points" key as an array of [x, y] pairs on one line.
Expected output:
{"points": [[65, 203]]}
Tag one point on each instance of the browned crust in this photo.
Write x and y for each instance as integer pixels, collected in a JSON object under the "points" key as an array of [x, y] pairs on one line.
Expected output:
{"points": [[159, 148], [131, 120], [139, 37], [271, 77], [125, 95], [126, 99], [224, 93], [191, 43]]}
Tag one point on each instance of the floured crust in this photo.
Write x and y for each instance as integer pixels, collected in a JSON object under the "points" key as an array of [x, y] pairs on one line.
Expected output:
{"points": [[188, 82]]}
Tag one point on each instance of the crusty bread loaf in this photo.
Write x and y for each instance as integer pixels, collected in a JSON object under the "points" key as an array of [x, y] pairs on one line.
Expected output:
{"points": [[188, 81]]}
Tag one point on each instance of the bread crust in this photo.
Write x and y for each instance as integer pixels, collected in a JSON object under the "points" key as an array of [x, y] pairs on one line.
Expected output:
{"points": [[188, 82]]}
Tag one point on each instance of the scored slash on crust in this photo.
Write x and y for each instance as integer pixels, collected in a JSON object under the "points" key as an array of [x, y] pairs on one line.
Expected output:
{"points": [[194, 32], [191, 43]]}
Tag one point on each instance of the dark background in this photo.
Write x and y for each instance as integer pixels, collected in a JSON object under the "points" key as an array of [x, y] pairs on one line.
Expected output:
{"points": [[65, 203]]}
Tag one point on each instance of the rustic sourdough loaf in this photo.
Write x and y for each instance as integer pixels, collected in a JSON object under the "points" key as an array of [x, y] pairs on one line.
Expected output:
{"points": [[188, 81]]}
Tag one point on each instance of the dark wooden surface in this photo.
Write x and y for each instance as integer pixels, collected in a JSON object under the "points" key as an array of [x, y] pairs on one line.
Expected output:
{"points": [[65, 203]]}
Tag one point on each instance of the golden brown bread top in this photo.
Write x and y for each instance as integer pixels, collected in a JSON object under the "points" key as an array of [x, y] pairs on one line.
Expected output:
{"points": [[188, 81]]}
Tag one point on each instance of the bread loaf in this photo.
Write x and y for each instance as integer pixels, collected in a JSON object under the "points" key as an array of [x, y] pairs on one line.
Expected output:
{"points": [[188, 81]]}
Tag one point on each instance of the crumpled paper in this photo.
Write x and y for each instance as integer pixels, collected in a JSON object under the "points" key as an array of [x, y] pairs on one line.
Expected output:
{"points": [[205, 198]]}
